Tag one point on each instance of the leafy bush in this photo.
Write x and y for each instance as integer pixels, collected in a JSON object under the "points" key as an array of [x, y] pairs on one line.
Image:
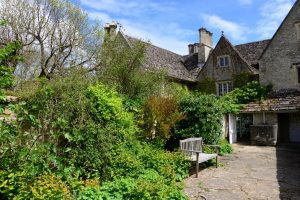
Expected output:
{"points": [[160, 115], [242, 79], [225, 147], [203, 118], [250, 92], [68, 132], [148, 186], [49, 186], [206, 86], [121, 68]]}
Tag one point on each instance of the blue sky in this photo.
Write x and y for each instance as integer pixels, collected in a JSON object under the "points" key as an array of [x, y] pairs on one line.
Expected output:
{"points": [[173, 24]]}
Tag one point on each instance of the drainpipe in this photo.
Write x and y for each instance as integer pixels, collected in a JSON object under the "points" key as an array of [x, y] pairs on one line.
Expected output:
{"points": [[264, 118]]}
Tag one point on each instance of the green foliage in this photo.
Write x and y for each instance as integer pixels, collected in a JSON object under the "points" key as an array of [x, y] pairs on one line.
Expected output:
{"points": [[206, 86], [242, 79], [107, 107], [250, 92], [70, 130], [225, 147], [203, 118], [121, 67], [49, 186], [160, 115], [233, 102], [7, 55], [150, 185]]}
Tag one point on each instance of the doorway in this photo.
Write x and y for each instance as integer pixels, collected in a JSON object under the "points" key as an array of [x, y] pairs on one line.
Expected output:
{"points": [[243, 127], [283, 128]]}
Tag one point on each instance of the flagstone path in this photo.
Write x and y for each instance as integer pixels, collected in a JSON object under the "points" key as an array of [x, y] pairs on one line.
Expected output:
{"points": [[252, 172]]}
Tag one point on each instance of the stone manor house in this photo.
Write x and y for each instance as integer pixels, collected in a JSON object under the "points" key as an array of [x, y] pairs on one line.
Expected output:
{"points": [[274, 61]]}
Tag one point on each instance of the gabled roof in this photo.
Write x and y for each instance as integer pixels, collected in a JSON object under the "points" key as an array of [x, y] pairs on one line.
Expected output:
{"points": [[286, 17], [157, 58], [223, 38], [252, 69], [252, 51]]}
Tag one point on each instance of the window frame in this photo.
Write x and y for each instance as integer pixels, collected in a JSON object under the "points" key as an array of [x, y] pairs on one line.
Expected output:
{"points": [[224, 87], [219, 58]]}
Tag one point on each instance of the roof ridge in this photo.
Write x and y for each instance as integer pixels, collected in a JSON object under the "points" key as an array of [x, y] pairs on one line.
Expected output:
{"points": [[149, 43], [265, 40]]}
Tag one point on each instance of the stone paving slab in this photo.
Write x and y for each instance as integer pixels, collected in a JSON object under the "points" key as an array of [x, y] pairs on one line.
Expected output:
{"points": [[252, 172]]}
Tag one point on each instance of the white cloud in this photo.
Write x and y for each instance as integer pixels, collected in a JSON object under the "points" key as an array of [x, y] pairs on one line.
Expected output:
{"points": [[159, 37], [165, 35], [103, 17], [236, 31], [245, 2], [272, 12], [125, 7]]}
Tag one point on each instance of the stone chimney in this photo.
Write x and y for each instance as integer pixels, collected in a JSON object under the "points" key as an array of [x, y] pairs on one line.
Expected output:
{"points": [[205, 45], [110, 29], [191, 48]]}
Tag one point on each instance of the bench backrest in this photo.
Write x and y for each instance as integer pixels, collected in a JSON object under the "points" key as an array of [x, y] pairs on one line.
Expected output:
{"points": [[191, 144]]}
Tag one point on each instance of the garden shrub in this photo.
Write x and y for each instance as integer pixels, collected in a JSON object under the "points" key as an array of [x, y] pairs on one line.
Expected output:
{"points": [[203, 118], [206, 86], [250, 92], [147, 186], [49, 186], [160, 115], [225, 147], [242, 79], [69, 132]]}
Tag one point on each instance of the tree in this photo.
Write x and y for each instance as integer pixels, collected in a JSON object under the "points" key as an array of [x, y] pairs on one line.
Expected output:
{"points": [[7, 55], [121, 66], [55, 35]]}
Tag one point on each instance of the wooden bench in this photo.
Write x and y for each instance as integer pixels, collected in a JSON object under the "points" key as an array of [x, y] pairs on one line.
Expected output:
{"points": [[193, 148]]}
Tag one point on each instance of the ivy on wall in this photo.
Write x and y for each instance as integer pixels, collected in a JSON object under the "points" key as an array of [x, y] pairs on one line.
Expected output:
{"points": [[241, 79], [206, 86]]}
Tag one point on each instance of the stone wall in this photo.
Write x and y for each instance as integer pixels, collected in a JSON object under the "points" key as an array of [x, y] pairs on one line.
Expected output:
{"points": [[284, 50], [270, 118]]}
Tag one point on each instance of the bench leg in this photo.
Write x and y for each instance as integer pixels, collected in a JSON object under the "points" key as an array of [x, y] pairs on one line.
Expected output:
{"points": [[216, 161], [197, 164]]}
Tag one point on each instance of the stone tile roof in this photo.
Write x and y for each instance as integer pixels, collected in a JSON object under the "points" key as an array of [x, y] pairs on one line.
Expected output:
{"points": [[161, 59], [190, 61], [252, 51], [282, 100]]}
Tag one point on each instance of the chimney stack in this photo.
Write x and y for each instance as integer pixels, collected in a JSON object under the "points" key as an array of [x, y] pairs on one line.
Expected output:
{"points": [[110, 29], [205, 37], [205, 45]]}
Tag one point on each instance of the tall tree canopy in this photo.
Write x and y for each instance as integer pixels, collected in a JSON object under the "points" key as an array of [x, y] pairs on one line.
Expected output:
{"points": [[55, 34]]}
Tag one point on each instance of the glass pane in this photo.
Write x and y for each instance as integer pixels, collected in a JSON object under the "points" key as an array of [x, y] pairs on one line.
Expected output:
{"points": [[224, 88], [220, 89], [221, 60], [226, 60]]}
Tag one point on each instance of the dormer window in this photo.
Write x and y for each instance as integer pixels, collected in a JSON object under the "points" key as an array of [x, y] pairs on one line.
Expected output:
{"points": [[297, 26], [224, 61]]}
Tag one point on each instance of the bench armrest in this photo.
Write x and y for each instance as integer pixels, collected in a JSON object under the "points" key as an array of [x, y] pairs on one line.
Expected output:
{"points": [[217, 147]]}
